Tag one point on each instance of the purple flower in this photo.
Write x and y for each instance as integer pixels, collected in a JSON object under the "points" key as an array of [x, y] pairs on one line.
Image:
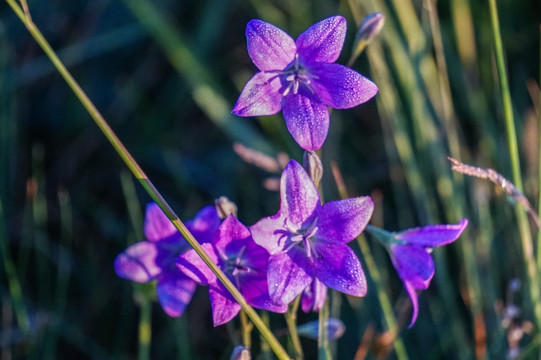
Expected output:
{"points": [[307, 240], [300, 78], [242, 260], [314, 296], [410, 255], [154, 259]]}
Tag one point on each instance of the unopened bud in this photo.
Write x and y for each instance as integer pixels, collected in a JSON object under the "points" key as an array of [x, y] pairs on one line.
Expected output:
{"points": [[369, 28], [335, 329], [241, 353], [313, 166], [225, 207]]}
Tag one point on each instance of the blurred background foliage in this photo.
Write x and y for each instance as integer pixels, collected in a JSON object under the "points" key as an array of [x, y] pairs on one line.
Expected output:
{"points": [[165, 74]]}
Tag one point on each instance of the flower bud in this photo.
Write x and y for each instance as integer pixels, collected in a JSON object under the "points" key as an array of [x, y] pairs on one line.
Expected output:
{"points": [[313, 166], [369, 28], [225, 207], [241, 353], [335, 329]]}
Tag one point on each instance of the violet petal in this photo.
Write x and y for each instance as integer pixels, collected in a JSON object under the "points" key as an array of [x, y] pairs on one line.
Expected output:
{"points": [[433, 235], [287, 275], [269, 47], [261, 96], [174, 291], [338, 267], [323, 41], [265, 233], [306, 120], [256, 291], [204, 224], [298, 194], [413, 264], [343, 220], [340, 87], [142, 261], [191, 264], [157, 226], [224, 306], [414, 298]]}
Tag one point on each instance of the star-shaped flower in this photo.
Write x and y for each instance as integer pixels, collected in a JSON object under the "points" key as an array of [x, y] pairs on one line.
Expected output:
{"points": [[242, 260], [308, 241], [154, 258], [410, 254], [300, 78]]}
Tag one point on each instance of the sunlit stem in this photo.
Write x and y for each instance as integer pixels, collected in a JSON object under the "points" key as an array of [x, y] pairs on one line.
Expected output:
{"points": [[143, 179], [291, 321], [524, 226], [246, 329]]}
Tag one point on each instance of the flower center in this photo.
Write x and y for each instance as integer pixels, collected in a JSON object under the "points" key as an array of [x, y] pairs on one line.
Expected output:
{"points": [[295, 75], [302, 237], [236, 266]]}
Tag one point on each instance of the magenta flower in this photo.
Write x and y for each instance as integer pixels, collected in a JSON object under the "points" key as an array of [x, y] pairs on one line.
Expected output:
{"points": [[308, 241], [301, 79], [410, 254], [154, 258], [242, 260]]}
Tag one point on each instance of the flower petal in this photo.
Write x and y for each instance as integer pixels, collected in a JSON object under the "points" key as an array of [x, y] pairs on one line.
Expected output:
{"points": [[266, 233], [256, 291], [338, 267], [204, 224], [299, 197], [314, 296], [174, 291], [306, 120], [142, 261], [269, 47], [157, 226], [413, 264], [232, 238], [433, 235], [323, 41], [287, 275], [261, 96], [340, 87], [343, 220], [414, 298], [191, 264], [224, 307]]}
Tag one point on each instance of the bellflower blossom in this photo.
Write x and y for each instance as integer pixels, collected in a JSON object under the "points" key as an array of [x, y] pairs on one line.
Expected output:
{"points": [[154, 258], [307, 241], [300, 78], [410, 254], [242, 260]]}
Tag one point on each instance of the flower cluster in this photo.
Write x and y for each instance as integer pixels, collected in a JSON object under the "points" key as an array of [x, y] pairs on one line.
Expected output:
{"points": [[303, 249]]}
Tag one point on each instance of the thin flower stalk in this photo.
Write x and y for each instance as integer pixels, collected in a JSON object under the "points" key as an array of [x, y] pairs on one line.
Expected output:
{"points": [[142, 177]]}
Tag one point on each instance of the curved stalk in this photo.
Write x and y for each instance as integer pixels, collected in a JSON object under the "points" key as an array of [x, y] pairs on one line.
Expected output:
{"points": [[140, 175]]}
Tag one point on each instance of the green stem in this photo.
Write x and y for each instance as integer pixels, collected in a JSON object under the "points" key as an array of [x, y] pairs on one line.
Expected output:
{"points": [[323, 351], [291, 321], [246, 328], [539, 175], [13, 281], [524, 227], [145, 330], [144, 180]]}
